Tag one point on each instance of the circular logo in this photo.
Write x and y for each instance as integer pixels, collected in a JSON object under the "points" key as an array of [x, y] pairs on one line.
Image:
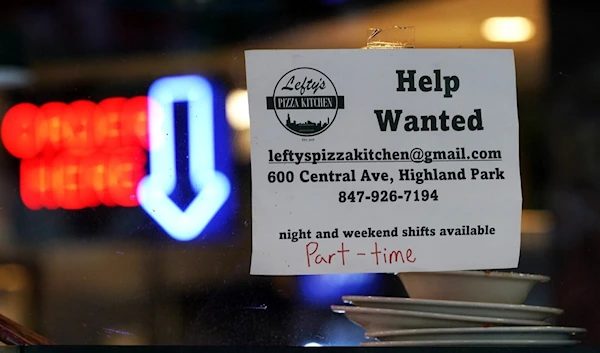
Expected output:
{"points": [[305, 101]]}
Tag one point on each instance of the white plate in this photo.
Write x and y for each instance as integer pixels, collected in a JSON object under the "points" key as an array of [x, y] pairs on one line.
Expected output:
{"points": [[372, 319], [505, 311], [472, 343], [538, 333]]}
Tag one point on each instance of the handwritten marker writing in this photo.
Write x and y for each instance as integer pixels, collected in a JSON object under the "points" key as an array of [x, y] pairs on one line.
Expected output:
{"points": [[340, 256]]}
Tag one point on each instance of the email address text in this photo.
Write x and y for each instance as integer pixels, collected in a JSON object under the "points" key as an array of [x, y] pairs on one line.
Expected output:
{"points": [[365, 155]]}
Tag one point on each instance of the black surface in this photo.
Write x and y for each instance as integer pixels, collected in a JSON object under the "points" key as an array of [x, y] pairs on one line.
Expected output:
{"points": [[111, 28], [182, 349]]}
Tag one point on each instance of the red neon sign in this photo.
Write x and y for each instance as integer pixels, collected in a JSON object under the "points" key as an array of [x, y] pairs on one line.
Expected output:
{"points": [[80, 154]]}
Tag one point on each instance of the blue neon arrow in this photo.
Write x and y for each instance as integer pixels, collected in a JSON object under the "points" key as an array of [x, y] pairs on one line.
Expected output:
{"points": [[213, 188]]}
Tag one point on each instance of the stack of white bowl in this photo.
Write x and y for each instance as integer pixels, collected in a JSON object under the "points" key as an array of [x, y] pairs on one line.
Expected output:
{"points": [[460, 308]]}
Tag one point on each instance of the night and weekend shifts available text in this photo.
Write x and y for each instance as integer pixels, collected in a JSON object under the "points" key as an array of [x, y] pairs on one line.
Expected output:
{"points": [[383, 160]]}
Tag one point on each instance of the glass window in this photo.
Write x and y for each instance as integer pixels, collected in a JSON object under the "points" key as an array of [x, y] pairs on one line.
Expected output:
{"points": [[82, 262]]}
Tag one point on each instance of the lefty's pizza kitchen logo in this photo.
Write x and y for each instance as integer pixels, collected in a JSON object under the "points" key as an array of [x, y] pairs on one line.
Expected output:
{"points": [[305, 101]]}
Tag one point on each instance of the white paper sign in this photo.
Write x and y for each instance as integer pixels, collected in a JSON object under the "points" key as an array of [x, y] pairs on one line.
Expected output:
{"points": [[383, 160]]}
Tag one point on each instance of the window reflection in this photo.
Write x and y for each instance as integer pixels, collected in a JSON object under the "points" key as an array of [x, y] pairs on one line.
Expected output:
{"points": [[83, 263]]}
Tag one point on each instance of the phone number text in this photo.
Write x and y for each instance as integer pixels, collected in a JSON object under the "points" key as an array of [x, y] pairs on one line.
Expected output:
{"points": [[387, 196]]}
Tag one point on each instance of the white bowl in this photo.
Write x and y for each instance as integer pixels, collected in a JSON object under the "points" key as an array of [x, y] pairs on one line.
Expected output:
{"points": [[471, 286]]}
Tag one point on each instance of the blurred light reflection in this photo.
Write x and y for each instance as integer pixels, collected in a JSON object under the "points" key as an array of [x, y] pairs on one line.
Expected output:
{"points": [[330, 288], [507, 29]]}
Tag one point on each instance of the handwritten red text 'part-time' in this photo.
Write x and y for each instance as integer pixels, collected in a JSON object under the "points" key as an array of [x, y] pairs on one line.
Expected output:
{"points": [[379, 255]]}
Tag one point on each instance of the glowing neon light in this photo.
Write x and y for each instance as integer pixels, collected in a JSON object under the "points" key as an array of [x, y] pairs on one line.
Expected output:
{"points": [[78, 155], [86, 154], [213, 187], [81, 127]]}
